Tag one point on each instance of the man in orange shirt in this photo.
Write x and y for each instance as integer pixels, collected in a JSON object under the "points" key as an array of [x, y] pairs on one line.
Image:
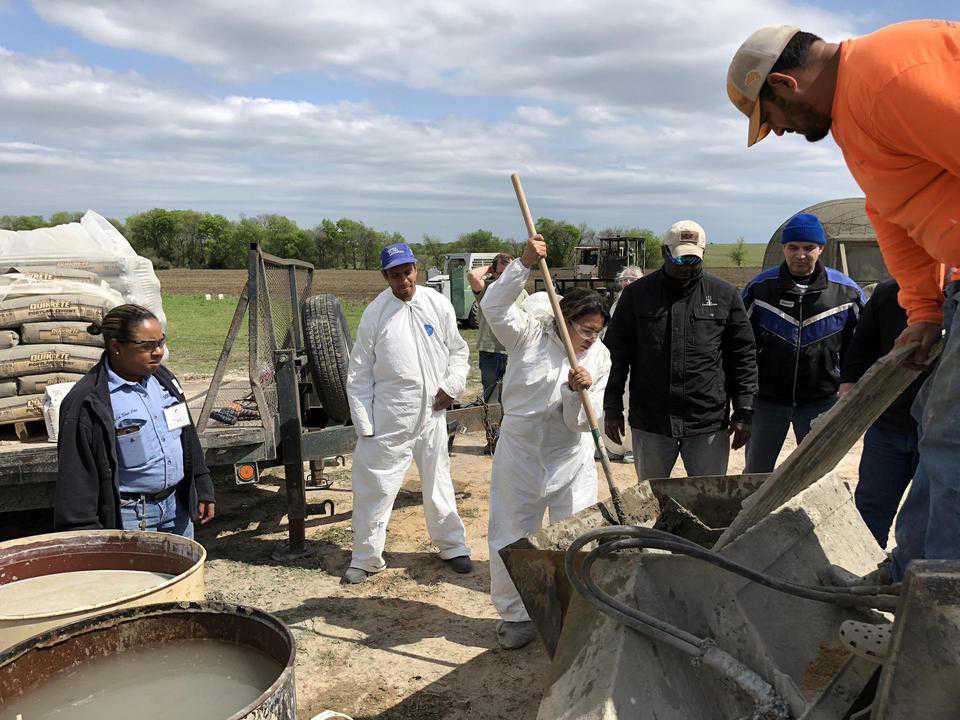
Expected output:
{"points": [[891, 99]]}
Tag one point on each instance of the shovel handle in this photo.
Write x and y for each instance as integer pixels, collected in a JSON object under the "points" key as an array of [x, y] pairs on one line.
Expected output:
{"points": [[571, 354]]}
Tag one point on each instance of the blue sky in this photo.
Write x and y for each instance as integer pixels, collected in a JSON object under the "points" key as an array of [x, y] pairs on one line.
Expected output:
{"points": [[408, 116]]}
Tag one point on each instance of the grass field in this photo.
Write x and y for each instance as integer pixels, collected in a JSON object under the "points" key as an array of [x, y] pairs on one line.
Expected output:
{"points": [[718, 256], [196, 329]]}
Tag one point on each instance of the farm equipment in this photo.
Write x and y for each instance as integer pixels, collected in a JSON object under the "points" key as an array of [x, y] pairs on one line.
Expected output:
{"points": [[454, 286], [277, 398], [595, 267], [292, 407], [718, 600]]}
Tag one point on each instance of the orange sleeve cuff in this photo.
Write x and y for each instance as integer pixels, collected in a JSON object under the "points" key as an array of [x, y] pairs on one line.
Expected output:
{"points": [[921, 310]]}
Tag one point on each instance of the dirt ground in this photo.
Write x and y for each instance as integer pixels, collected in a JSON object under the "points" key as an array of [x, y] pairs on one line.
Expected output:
{"points": [[352, 285], [416, 641]]}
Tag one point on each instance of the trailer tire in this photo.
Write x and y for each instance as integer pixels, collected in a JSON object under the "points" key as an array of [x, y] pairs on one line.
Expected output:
{"points": [[326, 335]]}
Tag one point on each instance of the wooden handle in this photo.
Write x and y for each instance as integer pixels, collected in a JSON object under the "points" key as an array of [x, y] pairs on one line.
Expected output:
{"points": [[548, 280], [571, 354]]}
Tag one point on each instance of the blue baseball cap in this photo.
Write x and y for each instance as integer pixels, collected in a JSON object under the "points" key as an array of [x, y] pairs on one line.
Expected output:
{"points": [[804, 227], [396, 254]]}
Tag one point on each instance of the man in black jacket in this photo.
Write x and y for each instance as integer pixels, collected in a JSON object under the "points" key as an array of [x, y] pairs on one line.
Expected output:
{"points": [[684, 338], [123, 463], [890, 451], [803, 316]]}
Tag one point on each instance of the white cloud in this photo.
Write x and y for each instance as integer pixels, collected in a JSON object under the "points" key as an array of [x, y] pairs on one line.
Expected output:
{"points": [[618, 52], [619, 116], [540, 116]]}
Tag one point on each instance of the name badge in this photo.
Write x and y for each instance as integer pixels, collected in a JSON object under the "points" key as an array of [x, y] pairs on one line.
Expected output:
{"points": [[177, 416]]}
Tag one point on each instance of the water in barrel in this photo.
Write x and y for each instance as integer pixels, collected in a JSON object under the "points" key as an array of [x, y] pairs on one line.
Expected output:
{"points": [[195, 679]]}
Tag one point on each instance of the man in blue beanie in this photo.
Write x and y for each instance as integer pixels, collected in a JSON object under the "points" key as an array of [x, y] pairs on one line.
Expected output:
{"points": [[803, 316]]}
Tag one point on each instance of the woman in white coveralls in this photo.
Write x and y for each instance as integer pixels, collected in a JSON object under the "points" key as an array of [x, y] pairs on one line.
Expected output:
{"points": [[544, 458], [407, 365]]}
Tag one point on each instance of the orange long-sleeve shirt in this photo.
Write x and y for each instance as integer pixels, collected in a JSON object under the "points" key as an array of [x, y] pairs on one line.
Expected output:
{"points": [[896, 117]]}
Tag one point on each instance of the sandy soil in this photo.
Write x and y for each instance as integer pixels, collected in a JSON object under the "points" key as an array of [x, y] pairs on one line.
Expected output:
{"points": [[416, 641]]}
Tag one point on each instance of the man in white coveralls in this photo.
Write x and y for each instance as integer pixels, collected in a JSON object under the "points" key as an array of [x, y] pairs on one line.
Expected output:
{"points": [[407, 365]]}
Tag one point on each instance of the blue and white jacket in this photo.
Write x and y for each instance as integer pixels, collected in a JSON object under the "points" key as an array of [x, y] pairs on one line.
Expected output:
{"points": [[802, 333]]}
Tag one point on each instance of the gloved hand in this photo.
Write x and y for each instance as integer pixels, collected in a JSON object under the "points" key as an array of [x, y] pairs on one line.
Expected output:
{"points": [[740, 431], [613, 427]]}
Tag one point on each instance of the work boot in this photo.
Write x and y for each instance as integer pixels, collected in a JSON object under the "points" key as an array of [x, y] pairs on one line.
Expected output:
{"points": [[354, 576], [460, 564], [867, 640], [514, 635]]}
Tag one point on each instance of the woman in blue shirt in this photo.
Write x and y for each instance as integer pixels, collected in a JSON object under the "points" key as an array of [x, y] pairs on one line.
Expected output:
{"points": [[129, 455]]}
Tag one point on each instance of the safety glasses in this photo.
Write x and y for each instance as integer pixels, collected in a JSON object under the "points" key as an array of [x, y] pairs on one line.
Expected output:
{"points": [[585, 332], [148, 346]]}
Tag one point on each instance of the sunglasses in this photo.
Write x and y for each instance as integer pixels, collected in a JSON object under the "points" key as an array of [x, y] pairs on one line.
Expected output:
{"points": [[148, 345], [685, 260]]}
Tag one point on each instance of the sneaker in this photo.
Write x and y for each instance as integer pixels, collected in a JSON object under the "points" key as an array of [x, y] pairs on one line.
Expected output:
{"points": [[514, 635], [867, 640], [460, 564], [628, 458], [354, 576]]}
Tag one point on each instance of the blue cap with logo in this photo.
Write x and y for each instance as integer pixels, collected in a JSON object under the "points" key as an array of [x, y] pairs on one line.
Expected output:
{"points": [[803, 228], [396, 254]]}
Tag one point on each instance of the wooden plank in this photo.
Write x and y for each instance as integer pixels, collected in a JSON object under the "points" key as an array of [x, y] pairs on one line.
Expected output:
{"points": [[829, 439]]}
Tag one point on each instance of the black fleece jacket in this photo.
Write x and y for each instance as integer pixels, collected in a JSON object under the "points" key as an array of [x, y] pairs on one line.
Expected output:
{"points": [[690, 354], [87, 494]]}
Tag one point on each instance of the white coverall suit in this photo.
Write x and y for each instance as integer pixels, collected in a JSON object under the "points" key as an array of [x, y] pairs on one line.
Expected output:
{"points": [[544, 458], [403, 353]]}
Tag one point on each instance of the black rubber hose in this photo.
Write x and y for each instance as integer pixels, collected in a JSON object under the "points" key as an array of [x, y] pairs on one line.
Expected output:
{"points": [[879, 597]]}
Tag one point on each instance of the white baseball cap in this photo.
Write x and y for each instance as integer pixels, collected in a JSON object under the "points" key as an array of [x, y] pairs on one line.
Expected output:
{"points": [[748, 72], [686, 238]]}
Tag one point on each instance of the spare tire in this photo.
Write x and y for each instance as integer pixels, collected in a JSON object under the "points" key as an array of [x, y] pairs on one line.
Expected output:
{"points": [[326, 335]]}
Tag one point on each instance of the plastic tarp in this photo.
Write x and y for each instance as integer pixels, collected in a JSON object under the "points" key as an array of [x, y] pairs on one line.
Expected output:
{"points": [[92, 244]]}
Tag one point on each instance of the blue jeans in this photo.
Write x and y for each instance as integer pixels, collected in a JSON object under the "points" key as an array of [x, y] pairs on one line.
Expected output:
{"points": [[492, 368], [769, 429], [655, 455], [928, 526], [168, 516], [887, 465]]}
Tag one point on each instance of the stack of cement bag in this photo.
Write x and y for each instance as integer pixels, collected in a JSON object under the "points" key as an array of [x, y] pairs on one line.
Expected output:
{"points": [[53, 283], [44, 317]]}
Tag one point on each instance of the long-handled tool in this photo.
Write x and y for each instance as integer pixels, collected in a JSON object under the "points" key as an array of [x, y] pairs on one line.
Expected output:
{"points": [[571, 355]]}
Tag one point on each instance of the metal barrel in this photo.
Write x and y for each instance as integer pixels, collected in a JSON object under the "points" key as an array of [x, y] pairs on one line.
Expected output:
{"points": [[65, 552], [32, 662]]}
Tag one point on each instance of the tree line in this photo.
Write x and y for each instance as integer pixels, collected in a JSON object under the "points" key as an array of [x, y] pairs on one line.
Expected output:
{"points": [[193, 239]]}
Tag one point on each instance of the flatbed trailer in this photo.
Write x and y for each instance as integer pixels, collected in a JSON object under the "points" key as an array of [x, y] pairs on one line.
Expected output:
{"points": [[287, 414]]}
